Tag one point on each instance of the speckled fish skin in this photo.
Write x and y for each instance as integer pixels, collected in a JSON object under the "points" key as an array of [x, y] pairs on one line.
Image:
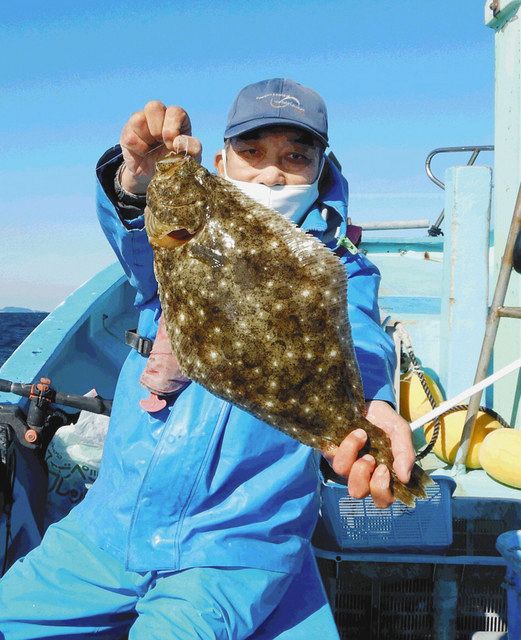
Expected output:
{"points": [[256, 311]]}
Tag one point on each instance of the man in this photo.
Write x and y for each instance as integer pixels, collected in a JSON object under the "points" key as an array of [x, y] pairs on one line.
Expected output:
{"points": [[201, 513]]}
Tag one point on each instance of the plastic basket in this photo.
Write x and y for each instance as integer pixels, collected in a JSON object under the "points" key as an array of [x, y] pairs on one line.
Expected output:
{"points": [[358, 524], [509, 546]]}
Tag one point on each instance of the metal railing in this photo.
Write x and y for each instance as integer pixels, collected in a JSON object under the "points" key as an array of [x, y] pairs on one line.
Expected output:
{"points": [[433, 230], [474, 150], [422, 223]]}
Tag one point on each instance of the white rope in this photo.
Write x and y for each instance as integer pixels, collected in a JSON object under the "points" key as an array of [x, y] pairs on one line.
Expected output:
{"points": [[448, 404]]}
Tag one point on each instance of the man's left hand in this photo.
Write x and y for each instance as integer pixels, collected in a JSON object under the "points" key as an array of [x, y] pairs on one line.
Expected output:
{"points": [[364, 477]]}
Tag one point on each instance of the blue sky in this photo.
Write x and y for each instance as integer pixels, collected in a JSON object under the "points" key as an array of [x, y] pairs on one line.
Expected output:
{"points": [[399, 78]]}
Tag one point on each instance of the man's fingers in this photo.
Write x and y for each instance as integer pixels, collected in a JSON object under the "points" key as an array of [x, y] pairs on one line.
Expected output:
{"points": [[188, 145], [399, 431], [139, 125], [403, 450], [360, 476], [133, 142], [148, 136], [175, 123], [155, 112], [348, 451], [402, 466], [380, 487]]}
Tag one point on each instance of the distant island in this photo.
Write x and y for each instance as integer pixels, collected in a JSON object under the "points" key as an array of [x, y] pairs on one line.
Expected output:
{"points": [[19, 310]]}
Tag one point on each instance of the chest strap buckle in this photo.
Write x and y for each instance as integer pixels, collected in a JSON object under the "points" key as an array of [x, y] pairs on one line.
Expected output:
{"points": [[142, 345]]}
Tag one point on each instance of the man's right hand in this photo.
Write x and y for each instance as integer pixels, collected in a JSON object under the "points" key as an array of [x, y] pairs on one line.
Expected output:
{"points": [[167, 128]]}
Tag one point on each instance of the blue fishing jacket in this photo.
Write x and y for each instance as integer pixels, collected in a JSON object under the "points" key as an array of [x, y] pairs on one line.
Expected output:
{"points": [[202, 482]]}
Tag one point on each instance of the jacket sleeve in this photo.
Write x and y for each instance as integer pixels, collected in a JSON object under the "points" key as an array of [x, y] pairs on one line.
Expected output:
{"points": [[127, 237], [374, 348]]}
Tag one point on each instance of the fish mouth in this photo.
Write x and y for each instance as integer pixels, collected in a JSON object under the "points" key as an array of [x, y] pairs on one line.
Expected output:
{"points": [[180, 234], [163, 235], [174, 238]]}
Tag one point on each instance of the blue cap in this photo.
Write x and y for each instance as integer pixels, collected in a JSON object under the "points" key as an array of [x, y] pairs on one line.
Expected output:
{"points": [[277, 101]]}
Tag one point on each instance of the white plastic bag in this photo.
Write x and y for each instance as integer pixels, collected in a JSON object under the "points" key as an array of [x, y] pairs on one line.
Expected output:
{"points": [[73, 458]]}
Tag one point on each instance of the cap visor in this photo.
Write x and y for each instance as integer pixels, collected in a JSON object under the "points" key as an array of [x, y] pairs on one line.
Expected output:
{"points": [[244, 127]]}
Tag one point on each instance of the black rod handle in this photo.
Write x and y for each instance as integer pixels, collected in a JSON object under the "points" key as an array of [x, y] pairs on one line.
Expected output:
{"points": [[15, 387], [94, 405]]}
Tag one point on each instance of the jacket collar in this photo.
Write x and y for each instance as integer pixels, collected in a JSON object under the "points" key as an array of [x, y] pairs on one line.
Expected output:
{"points": [[334, 193]]}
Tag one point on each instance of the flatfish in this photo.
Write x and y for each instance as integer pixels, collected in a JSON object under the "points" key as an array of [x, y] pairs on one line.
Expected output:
{"points": [[256, 311]]}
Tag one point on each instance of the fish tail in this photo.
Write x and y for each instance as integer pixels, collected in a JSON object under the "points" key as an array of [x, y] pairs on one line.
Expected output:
{"points": [[414, 489], [379, 446]]}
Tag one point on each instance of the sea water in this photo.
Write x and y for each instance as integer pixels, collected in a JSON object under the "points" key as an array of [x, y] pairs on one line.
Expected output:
{"points": [[14, 328]]}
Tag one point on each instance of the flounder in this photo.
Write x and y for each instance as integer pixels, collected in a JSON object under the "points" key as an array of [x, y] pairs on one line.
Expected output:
{"points": [[256, 311]]}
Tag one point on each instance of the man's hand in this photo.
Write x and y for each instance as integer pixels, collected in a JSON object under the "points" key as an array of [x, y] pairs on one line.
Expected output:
{"points": [[148, 136], [362, 474]]}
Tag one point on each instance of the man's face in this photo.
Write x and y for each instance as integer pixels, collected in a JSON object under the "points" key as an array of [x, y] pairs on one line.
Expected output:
{"points": [[272, 156]]}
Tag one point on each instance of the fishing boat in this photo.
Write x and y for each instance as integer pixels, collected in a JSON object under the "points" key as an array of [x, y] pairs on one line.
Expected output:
{"points": [[433, 572]]}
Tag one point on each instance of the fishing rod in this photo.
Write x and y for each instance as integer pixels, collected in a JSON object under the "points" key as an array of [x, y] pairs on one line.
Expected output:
{"points": [[86, 403], [42, 396]]}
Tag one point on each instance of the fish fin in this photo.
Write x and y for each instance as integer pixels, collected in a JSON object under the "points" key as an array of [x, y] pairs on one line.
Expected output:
{"points": [[414, 489]]}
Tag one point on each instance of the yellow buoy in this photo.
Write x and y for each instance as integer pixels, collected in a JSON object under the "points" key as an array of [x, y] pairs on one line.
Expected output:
{"points": [[413, 400], [500, 456], [451, 428]]}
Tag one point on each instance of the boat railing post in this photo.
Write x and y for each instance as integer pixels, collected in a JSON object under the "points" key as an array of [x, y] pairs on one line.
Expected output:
{"points": [[465, 274]]}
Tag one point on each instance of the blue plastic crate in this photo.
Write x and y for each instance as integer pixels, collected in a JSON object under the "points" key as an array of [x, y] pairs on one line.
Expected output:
{"points": [[358, 524], [509, 546]]}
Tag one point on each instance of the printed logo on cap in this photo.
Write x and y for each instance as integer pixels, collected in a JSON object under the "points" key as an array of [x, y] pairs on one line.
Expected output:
{"points": [[282, 100]]}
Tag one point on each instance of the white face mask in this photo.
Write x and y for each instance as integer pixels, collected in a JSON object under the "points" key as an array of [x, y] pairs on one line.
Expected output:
{"points": [[290, 200]]}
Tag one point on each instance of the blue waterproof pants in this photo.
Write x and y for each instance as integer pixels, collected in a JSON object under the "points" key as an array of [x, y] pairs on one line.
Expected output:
{"points": [[69, 588]]}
